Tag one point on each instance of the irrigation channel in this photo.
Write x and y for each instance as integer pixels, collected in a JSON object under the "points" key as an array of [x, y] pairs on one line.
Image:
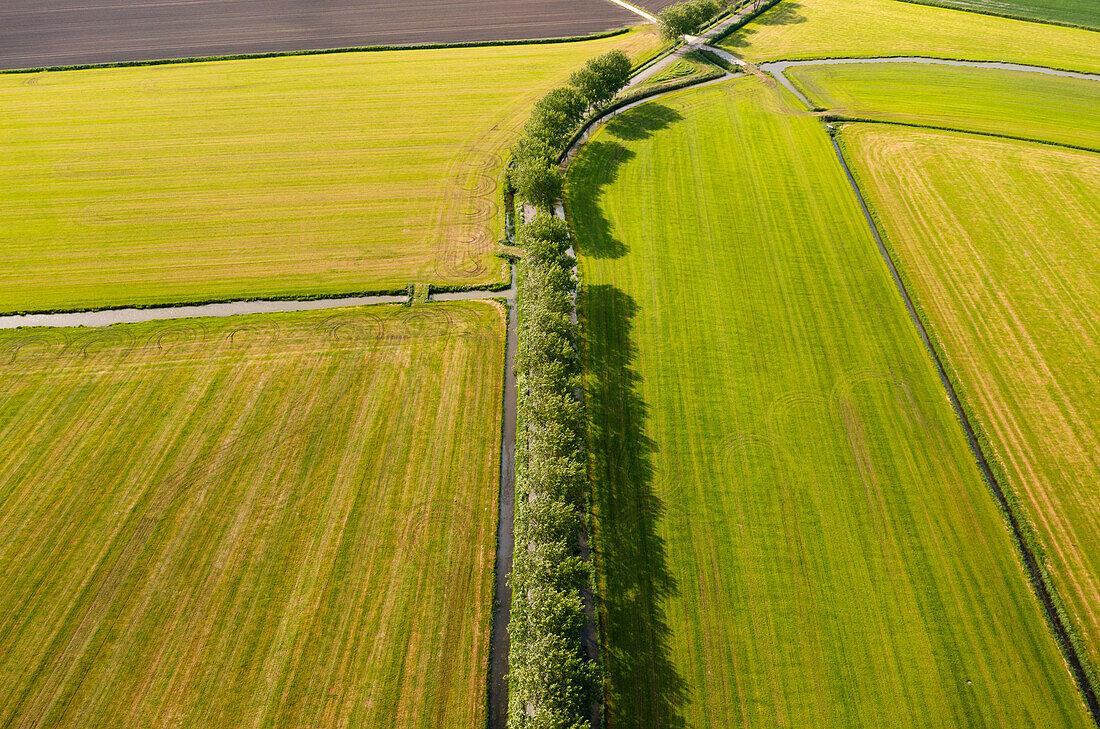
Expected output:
{"points": [[1042, 591], [778, 69]]}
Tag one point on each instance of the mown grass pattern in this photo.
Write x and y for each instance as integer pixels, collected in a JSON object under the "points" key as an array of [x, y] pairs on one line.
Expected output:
{"points": [[797, 29], [1009, 290], [791, 530], [1012, 103], [280, 520], [264, 178]]}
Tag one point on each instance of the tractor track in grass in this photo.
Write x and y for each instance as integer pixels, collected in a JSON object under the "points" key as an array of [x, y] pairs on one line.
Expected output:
{"points": [[1042, 591]]}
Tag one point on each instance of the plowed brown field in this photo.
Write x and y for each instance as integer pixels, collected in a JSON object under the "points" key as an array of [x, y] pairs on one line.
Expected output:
{"points": [[60, 32]]}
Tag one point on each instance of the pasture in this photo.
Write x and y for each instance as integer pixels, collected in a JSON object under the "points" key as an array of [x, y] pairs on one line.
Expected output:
{"points": [[279, 520], [797, 29], [1072, 12], [270, 178], [88, 31], [790, 527], [1000, 241], [1012, 103]]}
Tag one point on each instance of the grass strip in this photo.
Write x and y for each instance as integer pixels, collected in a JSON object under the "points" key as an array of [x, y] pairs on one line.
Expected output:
{"points": [[783, 496]]}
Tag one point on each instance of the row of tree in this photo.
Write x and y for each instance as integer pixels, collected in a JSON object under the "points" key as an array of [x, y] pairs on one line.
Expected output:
{"points": [[552, 684], [555, 117], [688, 18]]}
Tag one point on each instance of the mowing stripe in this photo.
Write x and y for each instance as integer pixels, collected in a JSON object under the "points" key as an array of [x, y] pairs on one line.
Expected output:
{"points": [[1061, 633]]}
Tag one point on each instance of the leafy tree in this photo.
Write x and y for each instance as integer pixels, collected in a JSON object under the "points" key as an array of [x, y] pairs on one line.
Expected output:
{"points": [[602, 77], [687, 18], [538, 183]]}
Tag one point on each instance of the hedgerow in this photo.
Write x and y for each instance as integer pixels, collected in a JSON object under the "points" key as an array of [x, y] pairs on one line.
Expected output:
{"points": [[534, 173], [552, 684]]}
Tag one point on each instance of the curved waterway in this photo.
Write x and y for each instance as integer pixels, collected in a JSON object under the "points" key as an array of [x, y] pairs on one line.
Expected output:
{"points": [[778, 69]]}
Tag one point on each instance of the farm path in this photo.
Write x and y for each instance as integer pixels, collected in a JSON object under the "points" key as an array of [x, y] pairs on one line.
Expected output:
{"points": [[636, 10], [778, 69]]}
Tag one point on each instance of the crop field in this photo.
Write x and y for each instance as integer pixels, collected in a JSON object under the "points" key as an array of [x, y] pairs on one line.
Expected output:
{"points": [[280, 520], [790, 527], [278, 177], [797, 29], [57, 32], [1074, 12], [1012, 103], [1011, 289]]}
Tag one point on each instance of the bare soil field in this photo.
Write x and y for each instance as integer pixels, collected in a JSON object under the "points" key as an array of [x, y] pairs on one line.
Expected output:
{"points": [[64, 32], [653, 6]]}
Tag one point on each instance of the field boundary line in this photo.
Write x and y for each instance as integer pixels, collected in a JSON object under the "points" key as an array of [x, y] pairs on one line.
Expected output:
{"points": [[842, 119], [932, 60], [320, 52], [499, 640], [108, 316], [1051, 603], [997, 14], [636, 10]]}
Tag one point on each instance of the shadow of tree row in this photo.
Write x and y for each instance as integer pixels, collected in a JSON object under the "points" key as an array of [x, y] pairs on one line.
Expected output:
{"points": [[643, 688], [598, 167]]}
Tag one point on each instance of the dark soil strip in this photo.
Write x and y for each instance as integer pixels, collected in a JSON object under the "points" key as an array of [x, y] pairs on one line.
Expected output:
{"points": [[37, 33], [1042, 591], [502, 593]]}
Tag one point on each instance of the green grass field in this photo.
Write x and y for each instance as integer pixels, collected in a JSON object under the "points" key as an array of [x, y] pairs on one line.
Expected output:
{"points": [[1020, 104], [269, 521], [313, 175], [796, 29], [790, 528], [1074, 12], [1001, 241]]}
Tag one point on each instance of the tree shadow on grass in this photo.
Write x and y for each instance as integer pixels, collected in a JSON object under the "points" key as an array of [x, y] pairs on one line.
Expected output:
{"points": [[785, 13], [598, 166], [642, 686], [642, 121]]}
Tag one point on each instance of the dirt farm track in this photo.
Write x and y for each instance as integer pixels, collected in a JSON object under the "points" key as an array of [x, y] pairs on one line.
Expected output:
{"points": [[36, 33]]}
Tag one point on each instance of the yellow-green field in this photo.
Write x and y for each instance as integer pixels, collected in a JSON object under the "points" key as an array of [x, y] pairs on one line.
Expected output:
{"points": [[271, 521], [791, 530], [1001, 241], [796, 29], [294, 176], [1013, 103]]}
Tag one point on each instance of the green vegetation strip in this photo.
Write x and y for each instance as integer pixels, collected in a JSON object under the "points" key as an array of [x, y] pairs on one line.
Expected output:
{"points": [[1008, 290], [281, 177], [552, 683], [798, 29], [791, 528], [1011, 103], [1079, 13], [282, 520], [695, 67]]}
